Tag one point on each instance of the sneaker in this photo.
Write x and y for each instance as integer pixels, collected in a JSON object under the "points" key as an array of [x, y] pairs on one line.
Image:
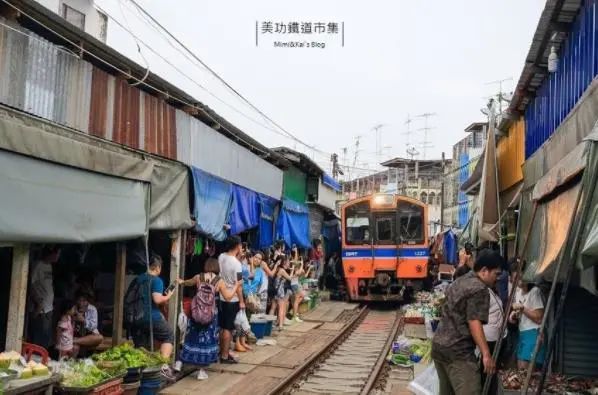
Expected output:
{"points": [[288, 322], [202, 375], [178, 365], [297, 319]]}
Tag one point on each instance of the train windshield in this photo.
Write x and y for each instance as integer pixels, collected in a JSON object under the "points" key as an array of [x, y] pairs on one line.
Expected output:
{"points": [[410, 223], [385, 228], [357, 224]]}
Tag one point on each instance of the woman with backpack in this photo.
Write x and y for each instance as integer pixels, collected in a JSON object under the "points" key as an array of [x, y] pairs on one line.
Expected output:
{"points": [[201, 346]]}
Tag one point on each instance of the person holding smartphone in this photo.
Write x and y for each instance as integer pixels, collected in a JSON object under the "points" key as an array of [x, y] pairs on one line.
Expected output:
{"points": [[231, 274]]}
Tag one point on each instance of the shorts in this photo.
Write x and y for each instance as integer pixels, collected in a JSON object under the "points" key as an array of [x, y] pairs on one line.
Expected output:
{"points": [[296, 288], [227, 314], [527, 343], [283, 293], [161, 331]]}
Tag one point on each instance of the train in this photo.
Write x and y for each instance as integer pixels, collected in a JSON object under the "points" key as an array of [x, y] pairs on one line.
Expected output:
{"points": [[384, 247]]}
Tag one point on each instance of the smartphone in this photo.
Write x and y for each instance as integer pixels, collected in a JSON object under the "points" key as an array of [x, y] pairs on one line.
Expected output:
{"points": [[239, 276], [171, 287]]}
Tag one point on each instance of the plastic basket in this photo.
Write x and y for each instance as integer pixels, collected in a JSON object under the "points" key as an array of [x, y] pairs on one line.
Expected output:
{"points": [[131, 388], [150, 387], [268, 331], [259, 328]]}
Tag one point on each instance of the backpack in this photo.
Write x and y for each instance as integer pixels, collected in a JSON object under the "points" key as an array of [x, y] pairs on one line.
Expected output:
{"points": [[134, 301], [203, 305]]}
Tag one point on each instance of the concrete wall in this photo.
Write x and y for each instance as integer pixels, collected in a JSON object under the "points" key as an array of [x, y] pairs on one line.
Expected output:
{"points": [[93, 19]]}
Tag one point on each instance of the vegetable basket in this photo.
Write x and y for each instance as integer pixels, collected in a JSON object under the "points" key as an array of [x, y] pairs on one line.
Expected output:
{"points": [[111, 386]]}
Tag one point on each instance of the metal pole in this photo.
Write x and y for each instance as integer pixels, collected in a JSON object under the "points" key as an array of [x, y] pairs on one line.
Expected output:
{"points": [[532, 362], [510, 301], [442, 194]]}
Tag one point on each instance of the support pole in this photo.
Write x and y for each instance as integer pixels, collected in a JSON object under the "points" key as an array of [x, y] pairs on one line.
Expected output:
{"points": [[18, 298], [175, 273], [119, 294], [442, 193]]}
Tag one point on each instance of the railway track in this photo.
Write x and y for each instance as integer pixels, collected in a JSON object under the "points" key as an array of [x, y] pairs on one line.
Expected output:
{"points": [[353, 360]]}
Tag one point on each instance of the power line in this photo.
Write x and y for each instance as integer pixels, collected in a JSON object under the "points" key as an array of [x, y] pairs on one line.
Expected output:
{"points": [[150, 48], [124, 72], [215, 74]]}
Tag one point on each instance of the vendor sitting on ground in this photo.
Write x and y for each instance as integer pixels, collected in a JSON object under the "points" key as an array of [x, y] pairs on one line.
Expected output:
{"points": [[87, 335]]}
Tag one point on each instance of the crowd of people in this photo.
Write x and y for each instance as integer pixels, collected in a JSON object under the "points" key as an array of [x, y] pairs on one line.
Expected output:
{"points": [[472, 323], [239, 283]]}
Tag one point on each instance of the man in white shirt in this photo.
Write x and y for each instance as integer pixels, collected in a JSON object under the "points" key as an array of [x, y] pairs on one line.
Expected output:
{"points": [[41, 290], [87, 334], [231, 273]]}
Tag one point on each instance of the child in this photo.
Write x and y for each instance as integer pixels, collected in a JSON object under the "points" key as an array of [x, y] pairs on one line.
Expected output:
{"points": [[65, 330]]}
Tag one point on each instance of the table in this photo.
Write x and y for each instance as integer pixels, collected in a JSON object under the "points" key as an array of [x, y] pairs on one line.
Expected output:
{"points": [[33, 386]]}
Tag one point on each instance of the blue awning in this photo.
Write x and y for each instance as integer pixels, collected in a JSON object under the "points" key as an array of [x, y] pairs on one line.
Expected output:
{"points": [[293, 224], [266, 227], [331, 230], [331, 182], [213, 198], [245, 211]]}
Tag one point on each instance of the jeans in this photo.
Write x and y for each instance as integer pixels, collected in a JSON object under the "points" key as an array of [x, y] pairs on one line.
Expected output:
{"points": [[461, 377]]}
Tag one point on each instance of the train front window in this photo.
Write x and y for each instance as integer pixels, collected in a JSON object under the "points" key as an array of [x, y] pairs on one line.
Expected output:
{"points": [[357, 224], [385, 232], [411, 223]]}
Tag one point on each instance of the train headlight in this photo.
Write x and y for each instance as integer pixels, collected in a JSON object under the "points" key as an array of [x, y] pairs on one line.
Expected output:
{"points": [[383, 200]]}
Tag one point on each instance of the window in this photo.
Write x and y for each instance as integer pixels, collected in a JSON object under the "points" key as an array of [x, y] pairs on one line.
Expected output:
{"points": [[411, 220], [424, 197], [431, 198], [357, 224], [385, 224], [73, 16]]}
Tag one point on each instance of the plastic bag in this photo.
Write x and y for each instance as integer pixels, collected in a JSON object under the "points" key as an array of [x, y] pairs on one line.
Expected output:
{"points": [[242, 323], [426, 383]]}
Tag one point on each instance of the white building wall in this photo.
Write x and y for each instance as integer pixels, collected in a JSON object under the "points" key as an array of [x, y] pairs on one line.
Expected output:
{"points": [[93, 19]]}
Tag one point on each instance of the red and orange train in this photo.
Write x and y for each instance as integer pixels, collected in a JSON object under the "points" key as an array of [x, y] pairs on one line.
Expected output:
{"points": [[384, 246]]}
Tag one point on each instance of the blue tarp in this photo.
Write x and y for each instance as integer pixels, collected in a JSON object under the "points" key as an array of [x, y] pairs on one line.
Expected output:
{"points": [[245, 211], [331, 182], [213, 198], [266, 229], [332, 233], [293, 224]]}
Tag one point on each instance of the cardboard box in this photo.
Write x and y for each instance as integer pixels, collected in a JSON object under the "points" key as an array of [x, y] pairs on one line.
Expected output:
{"points": [[415, 330]]}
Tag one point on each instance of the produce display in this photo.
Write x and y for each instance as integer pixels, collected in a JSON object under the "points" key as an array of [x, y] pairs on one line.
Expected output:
{"points": [[406, 351], [130, 357], [82, 374], [555, 383], [6, 358]]}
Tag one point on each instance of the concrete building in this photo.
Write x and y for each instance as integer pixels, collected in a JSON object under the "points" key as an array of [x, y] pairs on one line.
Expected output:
{"points": [[81, 13]]}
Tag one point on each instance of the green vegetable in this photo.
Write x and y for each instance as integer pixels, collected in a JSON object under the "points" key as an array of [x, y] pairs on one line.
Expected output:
{"points": [[131, 357], [83, 375]]}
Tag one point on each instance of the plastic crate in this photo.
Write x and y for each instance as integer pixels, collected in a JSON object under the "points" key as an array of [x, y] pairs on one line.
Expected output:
{"points": [[259, 328]]}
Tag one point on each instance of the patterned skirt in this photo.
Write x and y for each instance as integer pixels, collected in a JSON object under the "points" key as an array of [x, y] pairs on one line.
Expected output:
{"points": [[201, 347]]}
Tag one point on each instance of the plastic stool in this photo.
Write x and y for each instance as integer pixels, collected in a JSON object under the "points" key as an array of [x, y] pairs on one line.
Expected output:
{"points": [[33, 349]]}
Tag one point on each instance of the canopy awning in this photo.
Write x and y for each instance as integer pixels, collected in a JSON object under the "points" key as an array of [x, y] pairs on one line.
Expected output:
{"points": [[213, 199], [38, 138], [245, 211], [472, 185], [293, 224], [44, 202]]}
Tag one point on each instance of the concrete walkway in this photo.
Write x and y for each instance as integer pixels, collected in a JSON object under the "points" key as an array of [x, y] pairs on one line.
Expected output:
{"points": [[263, 368]]}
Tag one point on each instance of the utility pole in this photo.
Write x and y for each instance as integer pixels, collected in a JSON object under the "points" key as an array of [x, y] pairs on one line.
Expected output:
{"points": [[442, 193], [501, 97], [425, 144]]}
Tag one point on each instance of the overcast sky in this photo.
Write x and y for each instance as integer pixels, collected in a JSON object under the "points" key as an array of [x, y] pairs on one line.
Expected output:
{"points": [[399, 57]]}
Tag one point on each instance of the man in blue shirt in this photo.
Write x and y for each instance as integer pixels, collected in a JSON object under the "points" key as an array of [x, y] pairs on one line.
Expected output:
{"points": [[152, 302]]}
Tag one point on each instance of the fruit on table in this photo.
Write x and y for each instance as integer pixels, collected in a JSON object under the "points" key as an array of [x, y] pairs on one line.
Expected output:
{"points": [[27, 373]]}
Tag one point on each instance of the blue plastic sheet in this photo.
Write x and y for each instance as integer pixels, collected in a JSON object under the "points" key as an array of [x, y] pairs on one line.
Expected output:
{"points": [[213, 198], [293, 224], [331, 182], [266, 227], [245, 211], [332, 233]]}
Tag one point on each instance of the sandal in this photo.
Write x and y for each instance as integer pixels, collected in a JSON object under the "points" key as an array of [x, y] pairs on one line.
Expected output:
{"points": [[228, 360]]}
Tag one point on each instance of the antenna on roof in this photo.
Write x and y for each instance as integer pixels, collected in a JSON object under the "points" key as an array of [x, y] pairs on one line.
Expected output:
{"points": [[425, 144]]}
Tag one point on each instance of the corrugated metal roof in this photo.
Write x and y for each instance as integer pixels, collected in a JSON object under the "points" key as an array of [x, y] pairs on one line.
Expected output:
{"points": [[555, 19], [109, 55]]}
